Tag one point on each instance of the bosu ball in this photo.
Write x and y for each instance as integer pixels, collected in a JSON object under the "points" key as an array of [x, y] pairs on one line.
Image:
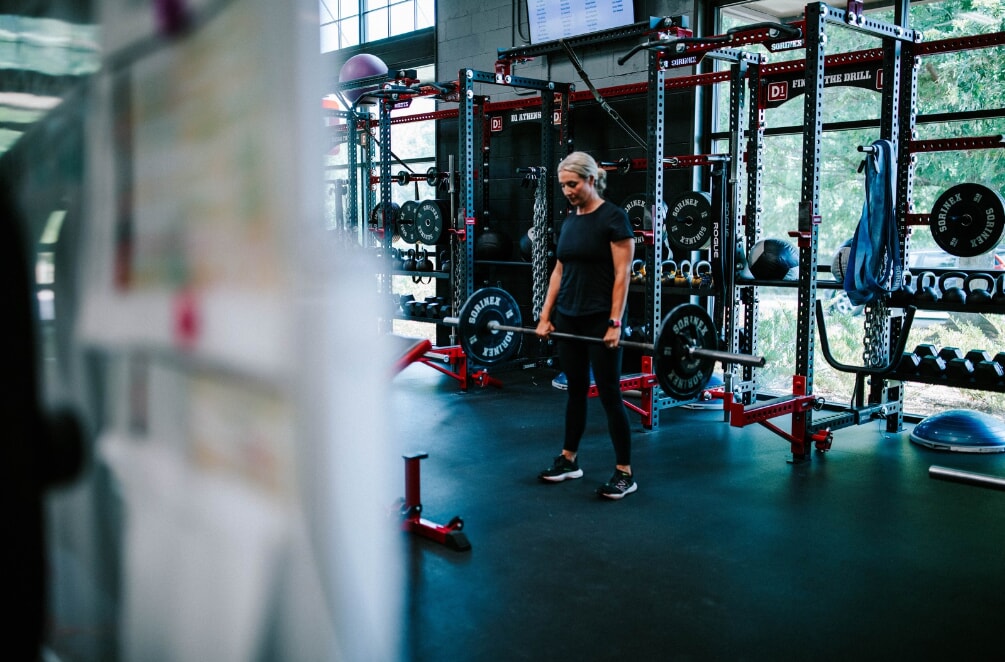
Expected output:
{"points": [[961, 431]]}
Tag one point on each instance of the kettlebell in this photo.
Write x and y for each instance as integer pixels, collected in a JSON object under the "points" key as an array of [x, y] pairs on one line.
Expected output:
{"points": [[905, 295], [444, 259], [954, 294], [638, 271], [702, 276], [683, 278], [979, 295], [668, 269], [998, 295], [927, 292], [409, 263], [422, 262]]}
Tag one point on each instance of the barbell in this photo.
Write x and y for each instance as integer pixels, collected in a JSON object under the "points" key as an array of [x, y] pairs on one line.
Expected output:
{"points": [[685, 352]]}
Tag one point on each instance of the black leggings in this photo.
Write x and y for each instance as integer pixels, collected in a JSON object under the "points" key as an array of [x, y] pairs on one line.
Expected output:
{"points": [[576, 357]]}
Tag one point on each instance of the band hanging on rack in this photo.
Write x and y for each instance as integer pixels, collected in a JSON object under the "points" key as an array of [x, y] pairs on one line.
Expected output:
{"points": [[875, 246]]}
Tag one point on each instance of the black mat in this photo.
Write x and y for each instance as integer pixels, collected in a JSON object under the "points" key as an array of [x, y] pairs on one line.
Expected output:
{"points": [[726, 552]]}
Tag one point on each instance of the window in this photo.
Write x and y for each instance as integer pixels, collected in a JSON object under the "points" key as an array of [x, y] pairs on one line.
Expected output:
{"points": [[346, 23], [412, 149]]}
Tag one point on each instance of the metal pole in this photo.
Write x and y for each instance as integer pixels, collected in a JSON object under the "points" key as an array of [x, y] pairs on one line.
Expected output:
{"points": [[966, 477]]}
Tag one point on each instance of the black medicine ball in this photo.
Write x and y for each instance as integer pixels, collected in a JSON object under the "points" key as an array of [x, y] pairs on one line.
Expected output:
{"points": [[493, 245], [773, 259]]}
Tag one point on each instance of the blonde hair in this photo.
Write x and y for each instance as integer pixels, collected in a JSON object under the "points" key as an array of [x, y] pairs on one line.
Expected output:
{"points": [[585, 166]]}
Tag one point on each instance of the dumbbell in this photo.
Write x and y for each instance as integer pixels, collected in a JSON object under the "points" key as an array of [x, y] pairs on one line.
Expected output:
{"points": [[924, 359], [932, 365], [975, 356], [954, 362], [949, 353], [909, 364], [959, 370], [989, 374], [963, 370]]}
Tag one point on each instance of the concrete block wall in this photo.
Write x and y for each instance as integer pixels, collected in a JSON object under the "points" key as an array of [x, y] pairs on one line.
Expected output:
{"points": [[470, 34]]}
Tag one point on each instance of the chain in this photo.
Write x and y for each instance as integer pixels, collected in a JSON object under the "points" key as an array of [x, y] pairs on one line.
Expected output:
{"points": [[458, 258], [539, 246], [875, 342]]}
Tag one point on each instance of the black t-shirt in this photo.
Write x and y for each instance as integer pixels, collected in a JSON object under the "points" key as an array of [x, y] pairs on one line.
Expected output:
{"points": [[584, 248]]}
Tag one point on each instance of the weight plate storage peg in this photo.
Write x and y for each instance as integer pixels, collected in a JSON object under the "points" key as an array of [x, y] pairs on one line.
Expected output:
{"points": [[483, 344], [689, 221], [968, 220]]}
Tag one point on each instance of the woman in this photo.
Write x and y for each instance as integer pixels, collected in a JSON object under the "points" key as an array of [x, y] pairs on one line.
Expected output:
{"points": [[587, 294]]}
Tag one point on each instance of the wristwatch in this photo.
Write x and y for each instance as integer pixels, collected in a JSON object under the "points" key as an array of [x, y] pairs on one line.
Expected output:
{"points": [[614, 323]]}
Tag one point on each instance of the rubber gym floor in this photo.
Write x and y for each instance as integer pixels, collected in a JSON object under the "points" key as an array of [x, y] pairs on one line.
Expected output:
{"points": [[726, 552]]}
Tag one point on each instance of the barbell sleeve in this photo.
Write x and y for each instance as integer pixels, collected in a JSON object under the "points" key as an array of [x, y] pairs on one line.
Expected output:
{"points": [[726, 357]]}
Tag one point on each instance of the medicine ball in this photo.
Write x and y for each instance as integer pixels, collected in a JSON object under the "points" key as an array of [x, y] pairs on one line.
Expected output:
{"points": [[839, 264], [493, 245], [773, 259], [360, 66]]}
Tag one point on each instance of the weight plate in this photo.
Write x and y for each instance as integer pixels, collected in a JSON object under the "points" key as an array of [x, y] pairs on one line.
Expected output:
{"points": [[968, 220], [429, 221], [407, 228], [638, 211], [378, 224], [481, 344], [689, 222], [641, 219], [681, 375]]}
